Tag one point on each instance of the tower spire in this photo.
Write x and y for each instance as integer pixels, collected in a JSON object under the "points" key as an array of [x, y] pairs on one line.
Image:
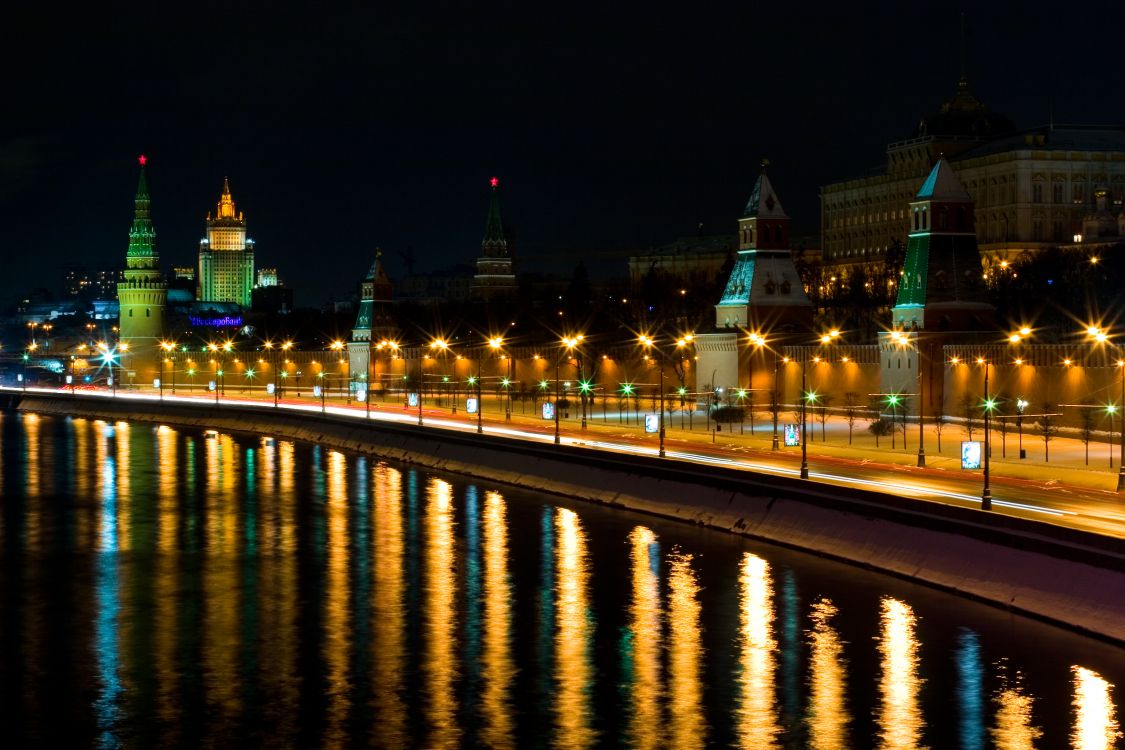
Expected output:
{"points": [[495, 241]]}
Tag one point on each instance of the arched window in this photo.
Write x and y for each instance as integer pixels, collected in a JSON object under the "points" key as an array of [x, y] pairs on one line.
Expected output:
{"points": [[130, 313]]}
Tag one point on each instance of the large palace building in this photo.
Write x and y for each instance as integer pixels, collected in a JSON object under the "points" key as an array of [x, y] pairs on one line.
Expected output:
{"points": [[226, 256], [1031, 188]]}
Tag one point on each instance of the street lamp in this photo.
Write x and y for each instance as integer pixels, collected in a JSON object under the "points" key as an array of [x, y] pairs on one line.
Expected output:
{"points": [[496, 344], [1101, 336], [649, 343], [442, 346], [338, 346], [571, 343], [903, 339], [167, 346], [986, 493], [1021, 405]]}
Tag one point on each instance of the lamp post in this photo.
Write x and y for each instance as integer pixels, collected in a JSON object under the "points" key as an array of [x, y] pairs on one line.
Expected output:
{"points": [[480, 416], [1021, 404], [338, 346], [568, 344], [1121, 456], [496, 345], [167, 346], [986, 493], [557, 358], [442, 346], [775, 406], [1101, 336], [649, 343]]}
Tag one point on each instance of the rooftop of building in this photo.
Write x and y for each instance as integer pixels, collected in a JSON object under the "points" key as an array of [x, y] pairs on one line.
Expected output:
{"points": [[1052, 138], [697, 245]]}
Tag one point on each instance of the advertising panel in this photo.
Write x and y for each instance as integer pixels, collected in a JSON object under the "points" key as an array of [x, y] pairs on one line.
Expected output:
{"points": [[652, 423], [792, 435], [412, 399], [471, 405], [970, 454], [548, 410]]}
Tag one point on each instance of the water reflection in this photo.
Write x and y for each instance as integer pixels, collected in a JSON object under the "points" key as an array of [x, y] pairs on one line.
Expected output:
{"points": [[441, 618], [574, 672], [757, 719], [337, 642], [645, 728], [166, 564], [970, 692], [499, 668], [107, 593], [222, 595], [1014, 729], [388, 616], [194, 591], [900, 715], [1095, 720], [688, 728], [828, 717]]}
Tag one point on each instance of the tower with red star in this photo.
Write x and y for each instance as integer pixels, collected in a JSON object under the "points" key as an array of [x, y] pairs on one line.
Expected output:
{"points": [[143, 292], [494, 275]]}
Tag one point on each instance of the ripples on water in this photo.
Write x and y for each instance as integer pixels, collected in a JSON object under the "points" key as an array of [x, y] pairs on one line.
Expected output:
{"points": [[161, 587]]}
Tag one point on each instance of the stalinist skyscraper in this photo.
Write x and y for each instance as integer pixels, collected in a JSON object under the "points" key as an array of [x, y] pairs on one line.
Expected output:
{"points": [[142, 295], [226, 256]]}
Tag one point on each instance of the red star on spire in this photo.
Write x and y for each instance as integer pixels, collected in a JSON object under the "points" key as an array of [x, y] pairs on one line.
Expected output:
{"points": [[142, 159], [494, 181]]}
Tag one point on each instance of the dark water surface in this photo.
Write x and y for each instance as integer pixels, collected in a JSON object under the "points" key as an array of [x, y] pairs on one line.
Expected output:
{"points": [[173, 588]]}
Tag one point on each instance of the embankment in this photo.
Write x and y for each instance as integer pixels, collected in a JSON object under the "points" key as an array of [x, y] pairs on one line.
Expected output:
{"points": [[1069, 577]]}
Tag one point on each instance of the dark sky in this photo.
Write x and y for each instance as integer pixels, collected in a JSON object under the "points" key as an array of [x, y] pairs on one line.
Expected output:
{"points": [[347, 126]]}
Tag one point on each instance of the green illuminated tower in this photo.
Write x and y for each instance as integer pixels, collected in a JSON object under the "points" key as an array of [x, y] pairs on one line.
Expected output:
{"points": [[942, 287], [143, 293]]}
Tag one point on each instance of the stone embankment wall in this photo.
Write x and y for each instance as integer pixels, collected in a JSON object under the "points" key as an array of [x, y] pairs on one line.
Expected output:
{"points": [[1068, 577]]}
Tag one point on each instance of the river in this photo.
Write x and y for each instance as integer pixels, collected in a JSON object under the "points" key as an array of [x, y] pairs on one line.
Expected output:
{"points": [[173, 587]]}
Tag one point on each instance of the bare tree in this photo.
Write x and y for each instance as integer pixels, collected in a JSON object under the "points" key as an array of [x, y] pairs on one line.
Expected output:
{"points": [[969, 409], [852, 405], [823, 402], [939, 419], [1086, 426], [1047, 429]]}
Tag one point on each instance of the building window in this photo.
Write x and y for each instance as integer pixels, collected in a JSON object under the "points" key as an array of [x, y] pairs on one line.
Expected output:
{"points": [[1037, 193], [1037, 230]]}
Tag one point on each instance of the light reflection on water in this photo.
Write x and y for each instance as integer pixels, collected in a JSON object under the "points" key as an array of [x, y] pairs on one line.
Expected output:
{"points": [[900, 716], [215, 590], [827, 714], [757, 711]]}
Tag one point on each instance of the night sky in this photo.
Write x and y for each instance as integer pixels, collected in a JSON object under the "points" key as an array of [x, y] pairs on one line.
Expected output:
{"points": [[612, 130]]}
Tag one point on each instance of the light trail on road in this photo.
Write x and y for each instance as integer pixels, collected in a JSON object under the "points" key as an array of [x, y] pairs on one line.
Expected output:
{"points": [[1077, 510]]}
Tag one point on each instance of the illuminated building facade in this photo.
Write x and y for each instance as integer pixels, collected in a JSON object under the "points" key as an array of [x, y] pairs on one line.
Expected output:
{"points": [[494, 276], [142, 294], [91, 282], [763, 293], [226, 256], [1031, 188], [374, 322]]}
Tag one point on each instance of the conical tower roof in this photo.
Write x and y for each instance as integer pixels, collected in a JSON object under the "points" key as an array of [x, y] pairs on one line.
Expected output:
{"points": [[495, 241], [943, 186], [142, 236], [763, 202]]}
